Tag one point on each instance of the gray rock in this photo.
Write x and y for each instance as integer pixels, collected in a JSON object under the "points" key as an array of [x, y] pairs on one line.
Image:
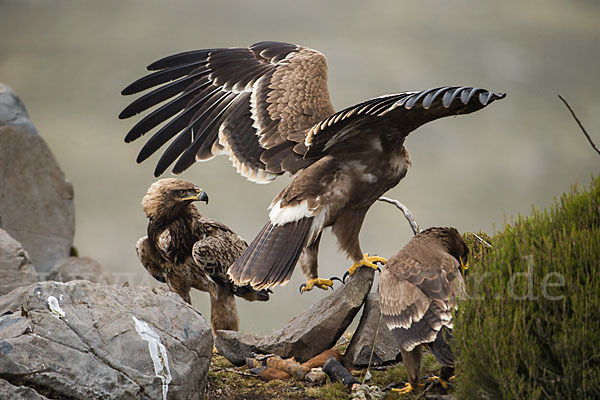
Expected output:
{"points": [[76, 268], [8, 391], [308, 334], [16, 269], [81, 340], [36, 203], [386, 349]]}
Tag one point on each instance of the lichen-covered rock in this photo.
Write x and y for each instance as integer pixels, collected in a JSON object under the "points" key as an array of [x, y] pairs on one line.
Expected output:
{"points": [[386, 348], [77, 268], [81, 340], [36, 202], [308, 334], [16, 269]]}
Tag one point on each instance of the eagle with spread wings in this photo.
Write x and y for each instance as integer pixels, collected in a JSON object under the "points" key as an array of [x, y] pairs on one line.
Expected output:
{"points": [[267, 107], [186, 249], [418, 292]]}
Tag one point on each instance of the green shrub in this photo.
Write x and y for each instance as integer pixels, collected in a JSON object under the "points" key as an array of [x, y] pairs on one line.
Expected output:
{"points": [[530, 328]]}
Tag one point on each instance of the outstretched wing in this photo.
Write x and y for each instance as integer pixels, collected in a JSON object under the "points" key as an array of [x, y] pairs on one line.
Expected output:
{"points": [[394, 115], [147, 259], [236, 101], [418, 299]]}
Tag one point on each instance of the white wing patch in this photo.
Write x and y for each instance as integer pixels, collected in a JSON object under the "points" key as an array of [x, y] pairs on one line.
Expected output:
{"points": [[284, 215]]}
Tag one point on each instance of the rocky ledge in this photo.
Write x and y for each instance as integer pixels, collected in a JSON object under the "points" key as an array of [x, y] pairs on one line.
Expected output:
{"points": [[81, 340]]}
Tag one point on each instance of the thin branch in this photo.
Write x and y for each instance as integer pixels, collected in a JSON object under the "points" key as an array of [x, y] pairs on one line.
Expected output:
{"points": [[579, 123], [372, 350], [407, 214], [486, 244]]}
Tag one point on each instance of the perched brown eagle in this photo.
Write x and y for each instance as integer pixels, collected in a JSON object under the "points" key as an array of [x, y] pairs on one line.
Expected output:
{"points": [[188, 250], [268, 108], [418, 292]]}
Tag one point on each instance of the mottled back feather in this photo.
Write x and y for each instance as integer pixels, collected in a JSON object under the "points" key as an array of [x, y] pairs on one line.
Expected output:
{"points": [[420, 286]]}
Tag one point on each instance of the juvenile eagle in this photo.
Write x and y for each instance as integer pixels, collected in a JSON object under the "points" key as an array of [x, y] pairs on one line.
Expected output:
{"points": [[268, 108], [188, 250], [418, 291]]}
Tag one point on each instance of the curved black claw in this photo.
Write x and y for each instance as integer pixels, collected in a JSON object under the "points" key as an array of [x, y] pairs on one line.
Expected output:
{"points": [[301, 287], [346, 274], [335, 278]]}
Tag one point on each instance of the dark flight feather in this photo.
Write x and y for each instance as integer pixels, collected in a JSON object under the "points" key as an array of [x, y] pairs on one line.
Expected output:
{"points": [[160, 77], [231, 71], [273, 254], [179, 59], [268, 108]]}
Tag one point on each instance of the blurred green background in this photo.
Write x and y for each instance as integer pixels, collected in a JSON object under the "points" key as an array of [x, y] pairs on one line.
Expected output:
{"points": [[68, 61]]}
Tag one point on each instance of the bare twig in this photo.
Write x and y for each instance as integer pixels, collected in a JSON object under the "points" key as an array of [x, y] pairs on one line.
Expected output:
{"points": [[579, 123], [424, 392], [486, 244], [409, 217], [372, 349]]}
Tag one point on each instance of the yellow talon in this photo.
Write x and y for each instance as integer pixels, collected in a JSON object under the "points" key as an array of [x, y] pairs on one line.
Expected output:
{"points": [[318, 282], [366, 261], [440, 380], [406, 389]]}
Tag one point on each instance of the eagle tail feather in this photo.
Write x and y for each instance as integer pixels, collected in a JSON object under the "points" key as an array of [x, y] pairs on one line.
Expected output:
{"points": [[271, 257]]}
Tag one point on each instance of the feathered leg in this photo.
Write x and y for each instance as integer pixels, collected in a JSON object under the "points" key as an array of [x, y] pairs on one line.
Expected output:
{"points": [[412, 363], [309, 261], [223, 310], [346, 229]]}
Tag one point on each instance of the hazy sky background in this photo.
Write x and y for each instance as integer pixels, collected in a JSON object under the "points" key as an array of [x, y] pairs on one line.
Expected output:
{"points": [[69, 60]]}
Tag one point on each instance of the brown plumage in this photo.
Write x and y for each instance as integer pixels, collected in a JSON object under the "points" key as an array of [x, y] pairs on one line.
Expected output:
{"points": [[188, 250], [418, 292], [268, 108]]}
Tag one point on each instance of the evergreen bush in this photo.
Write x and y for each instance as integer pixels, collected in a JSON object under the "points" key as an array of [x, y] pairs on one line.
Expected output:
{"points": [[530, 328]]}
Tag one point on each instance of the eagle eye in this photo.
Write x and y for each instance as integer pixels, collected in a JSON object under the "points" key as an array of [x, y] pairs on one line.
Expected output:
{"points": [[182, 192]]}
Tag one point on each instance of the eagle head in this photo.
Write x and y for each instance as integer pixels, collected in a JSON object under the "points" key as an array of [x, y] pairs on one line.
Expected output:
{"points": [[170, 196], [457, 247], [453, 243]]}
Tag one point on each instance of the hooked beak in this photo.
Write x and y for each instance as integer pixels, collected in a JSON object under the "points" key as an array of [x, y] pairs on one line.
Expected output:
{"points": [[463, 266], [201, 196]]}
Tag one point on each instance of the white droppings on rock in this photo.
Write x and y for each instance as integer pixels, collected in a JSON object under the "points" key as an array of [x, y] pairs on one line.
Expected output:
{"points": [[158, 353], [54, 307]]}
